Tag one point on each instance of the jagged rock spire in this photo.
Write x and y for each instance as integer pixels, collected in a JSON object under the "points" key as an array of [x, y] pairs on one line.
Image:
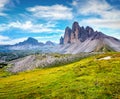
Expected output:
{"points": [[79, 34], [61, 40], [67, 35]]}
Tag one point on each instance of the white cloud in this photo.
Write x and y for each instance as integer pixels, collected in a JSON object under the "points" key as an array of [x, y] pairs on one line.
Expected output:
{"points": [[35, 28], [9, 3], [116, 35], [30, 27], [4, 40], [109, 17], [2, 7], [3, 3], [102, 23], [3, 27], [53, 38], [92, 6], [17, 40], [54, 12]]}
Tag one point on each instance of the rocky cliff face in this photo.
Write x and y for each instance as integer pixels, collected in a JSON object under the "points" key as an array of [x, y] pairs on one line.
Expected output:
{"points": [[81, 39], [61, 40], [67, 36], [75, 32], [80, 34]]}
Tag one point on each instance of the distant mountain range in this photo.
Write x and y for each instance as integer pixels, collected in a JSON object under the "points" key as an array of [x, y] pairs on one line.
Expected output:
{"points": [[33, 42], [80, 39], [29, 44], [75, 40], [30, 41]]}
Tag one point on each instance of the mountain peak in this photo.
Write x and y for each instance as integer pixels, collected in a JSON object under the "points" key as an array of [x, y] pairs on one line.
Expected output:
{"points": [[29, 41], [75, 26], [88, 28], [61, 40], [80, 34], [67, 35], [49, 43], [32, 39], [75, 23], [67, 28], [82, 39]]}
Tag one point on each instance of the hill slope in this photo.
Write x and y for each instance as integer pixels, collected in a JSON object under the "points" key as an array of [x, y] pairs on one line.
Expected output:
{"points": [[95, 77], [43, 60]]}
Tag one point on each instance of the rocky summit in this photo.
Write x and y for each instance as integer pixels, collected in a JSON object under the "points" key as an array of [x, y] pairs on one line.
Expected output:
{"points": [[30, 41], [86, 39], [80, 34]]}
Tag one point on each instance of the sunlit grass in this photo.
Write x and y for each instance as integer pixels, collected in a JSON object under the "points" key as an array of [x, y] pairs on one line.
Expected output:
{"points": [[89, 78]]}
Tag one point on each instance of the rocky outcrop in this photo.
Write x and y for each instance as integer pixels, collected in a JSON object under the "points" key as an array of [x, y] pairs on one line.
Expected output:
{"points": [[61, 40], [75, 34], [89, 31], [80, 34], [67, 36], [80, 39]]}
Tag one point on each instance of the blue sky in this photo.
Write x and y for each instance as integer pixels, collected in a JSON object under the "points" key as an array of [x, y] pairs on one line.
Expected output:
{"points": [[46, 19]]}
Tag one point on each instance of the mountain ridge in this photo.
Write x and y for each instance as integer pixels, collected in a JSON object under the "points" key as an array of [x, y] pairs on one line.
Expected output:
{"points": [[75, 40], [30, 41], [29, 44], [80, 39]]}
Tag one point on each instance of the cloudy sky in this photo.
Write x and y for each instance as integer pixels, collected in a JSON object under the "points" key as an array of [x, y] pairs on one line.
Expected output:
{"points": [[46, 19]]}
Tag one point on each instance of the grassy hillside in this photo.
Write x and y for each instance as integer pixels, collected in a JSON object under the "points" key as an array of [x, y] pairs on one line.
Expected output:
{"points": [[89, 78]]}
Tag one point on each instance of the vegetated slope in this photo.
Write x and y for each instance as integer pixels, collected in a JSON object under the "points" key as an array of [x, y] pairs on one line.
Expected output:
{"points": [[95, 77], [12, 55]]}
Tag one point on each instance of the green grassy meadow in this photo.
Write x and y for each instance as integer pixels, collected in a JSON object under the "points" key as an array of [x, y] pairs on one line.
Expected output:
{"points": [[89, 78]]}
